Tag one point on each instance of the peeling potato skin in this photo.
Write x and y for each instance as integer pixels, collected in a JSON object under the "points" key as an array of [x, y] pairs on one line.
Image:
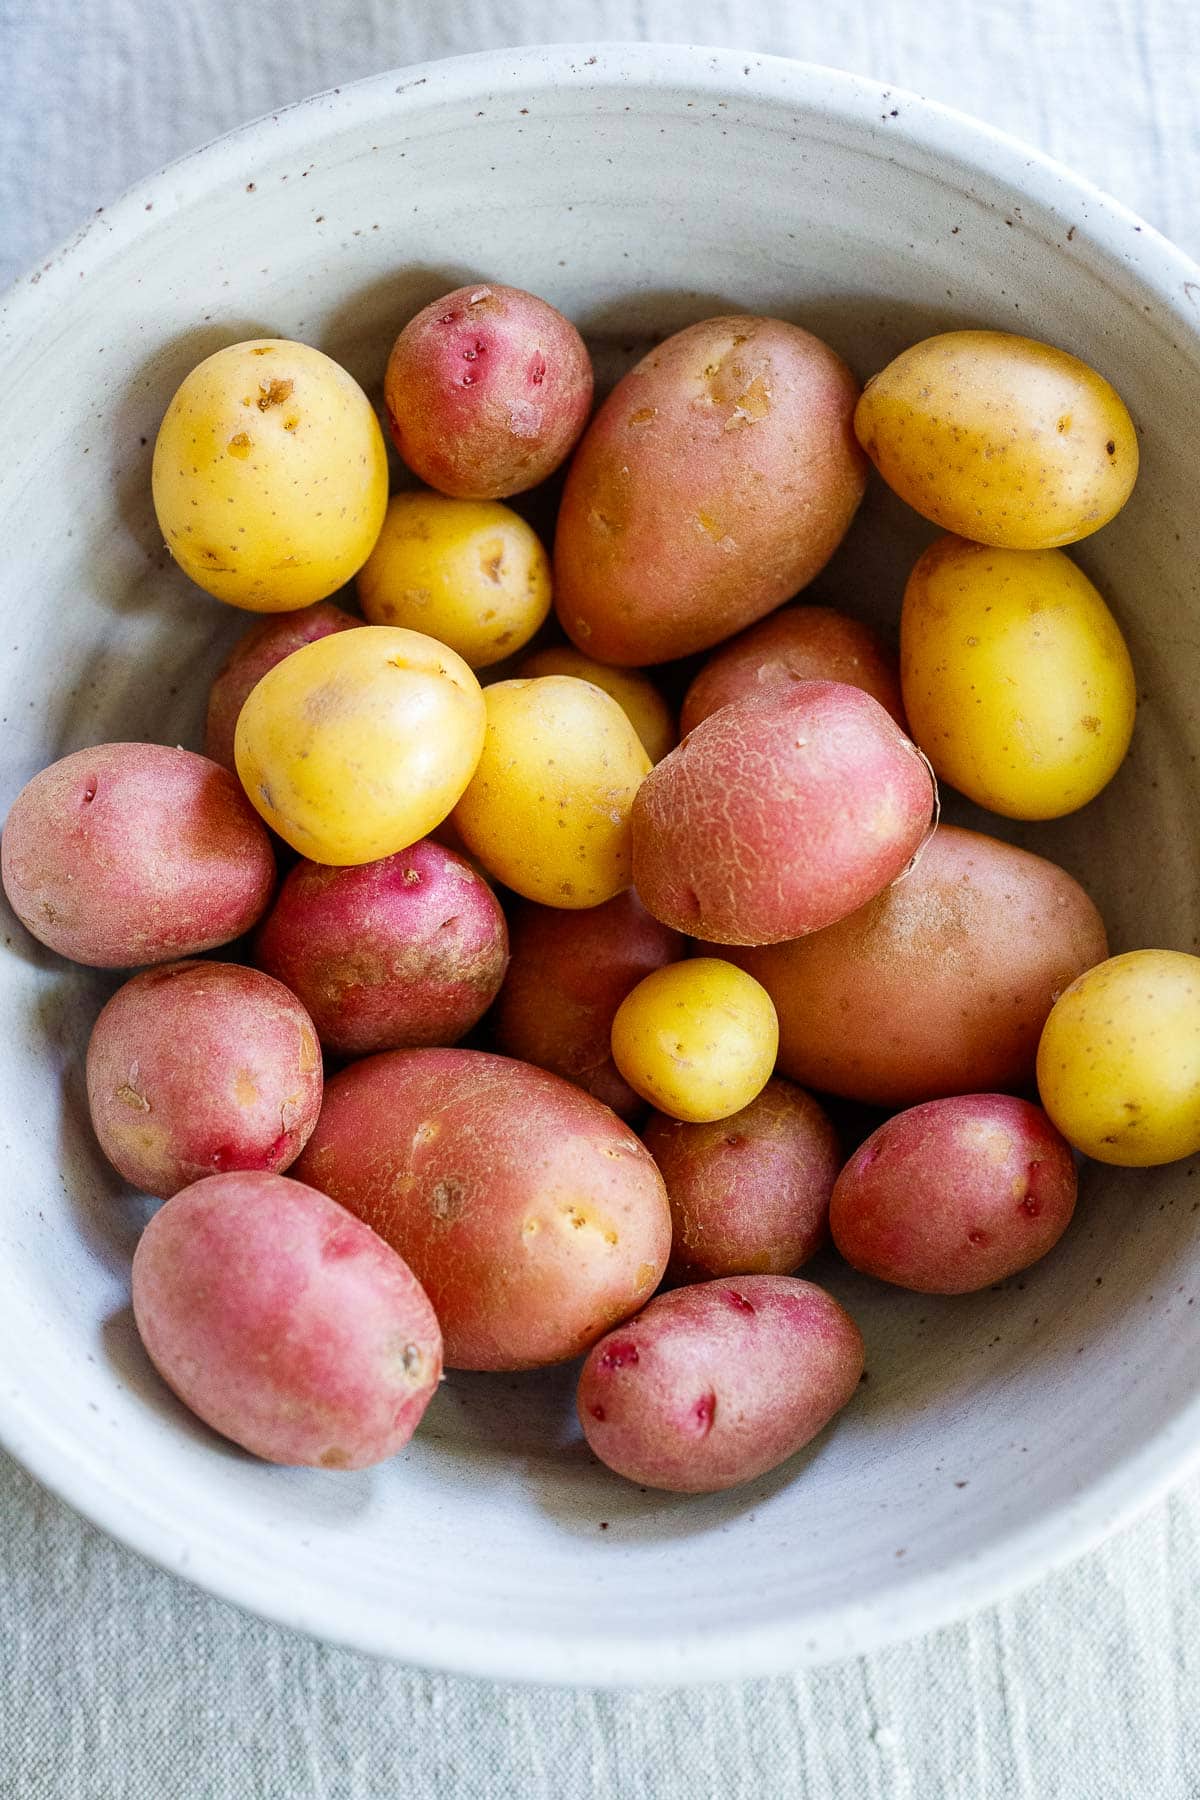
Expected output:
{"points": [[717, 479], [257, 651], [532, 1216]]}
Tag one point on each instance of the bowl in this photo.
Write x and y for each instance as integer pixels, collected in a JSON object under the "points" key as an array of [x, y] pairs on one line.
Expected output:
{"points": [[639, 188]]}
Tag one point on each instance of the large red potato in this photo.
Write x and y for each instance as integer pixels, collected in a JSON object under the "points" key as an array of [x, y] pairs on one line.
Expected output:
{"points": [[716, 480], [534, 1219], [715, 1384], [284, 1323], [258, 650]]}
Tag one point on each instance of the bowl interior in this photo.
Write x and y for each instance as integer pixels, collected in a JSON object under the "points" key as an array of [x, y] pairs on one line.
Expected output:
{"points": [[638, 190]]}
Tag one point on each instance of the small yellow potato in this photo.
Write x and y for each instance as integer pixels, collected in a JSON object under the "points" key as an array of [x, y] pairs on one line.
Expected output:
{"points": [[270, 475], [1000, 438], [697, 1039], [547, 810], [1017, 682], [1118, 1066], [633, 692], [358, 744], [471, 573]]}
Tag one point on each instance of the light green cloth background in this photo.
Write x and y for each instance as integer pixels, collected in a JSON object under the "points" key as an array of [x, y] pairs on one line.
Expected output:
{"points": [[120, 1683]]}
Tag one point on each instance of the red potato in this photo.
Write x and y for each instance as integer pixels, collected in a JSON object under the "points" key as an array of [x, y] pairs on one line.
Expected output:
{"points": [[534, 1219], [942, 983], [568, 975], [284, 1323], [135, 853], [952, 1196], [749, 1194], [258, 650], [780, 814], [715, 1384], [716, 480], [798, 643], [487, 390], [387, 955], [200, 1068]]}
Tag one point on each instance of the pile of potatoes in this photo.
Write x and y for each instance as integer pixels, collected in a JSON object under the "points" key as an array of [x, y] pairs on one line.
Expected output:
{"points": [[535, 1013]]}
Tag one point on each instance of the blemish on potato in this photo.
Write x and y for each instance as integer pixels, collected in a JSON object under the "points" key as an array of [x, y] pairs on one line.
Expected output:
{"points": [[130, 1096], [239, 445], [334, 1458], [273, 393], [448, 1198], [245, 1091]]}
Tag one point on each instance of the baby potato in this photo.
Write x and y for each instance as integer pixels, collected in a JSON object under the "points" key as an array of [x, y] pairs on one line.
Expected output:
{"points": [[797, 643], [1118, 1067], [270, 475], [1000, 438], [357, 745], [470, 573], [633, 692], [1017, 682], [547, 809], [697, 1038], [258, 650]]}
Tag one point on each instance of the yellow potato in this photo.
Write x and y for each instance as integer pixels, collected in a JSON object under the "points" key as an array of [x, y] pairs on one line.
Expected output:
{"points": [[697, 1039], [1119, 1062], [633, 692], [270, 475], [1000, 438], [469, 572], [1017, 682], [547, 810], [358, 744]]}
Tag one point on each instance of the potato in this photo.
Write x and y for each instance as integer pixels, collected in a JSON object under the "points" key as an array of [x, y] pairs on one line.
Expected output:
{"points": [[270, 475], [547, 809], [750, 1193], [568, 974], [200, 1068], [952, 1196], [284, 1323], [1118, 1066], [941, 984], [779, 814], [471, 573], [487, 390], [716, 480], [356, 746], [633, 692], [1000, 439], [135, 853], [534, 1219], [410, 950], [697, 1039], [264, 645], [798, 643], [1017, 681], [713, 1385]]}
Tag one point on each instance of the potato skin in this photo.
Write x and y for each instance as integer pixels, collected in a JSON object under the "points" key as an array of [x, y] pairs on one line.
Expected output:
{"points": [[202, 1067], [749, 1194], [284, 1323], [805, 643], [635, 693], [713, 1385], [128, 854], [388, 955], [778, 815], [952, 1196], [534, 1219], [264, 645], [941, 983], [568, 974], [487, 389], [698, 1038], [717, 479]]}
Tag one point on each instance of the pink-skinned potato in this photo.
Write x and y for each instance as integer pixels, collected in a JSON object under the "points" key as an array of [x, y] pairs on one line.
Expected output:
{"points": [[780, 814], [568, 975], [532, 1216], [387, 955], [716, 481], [749, 1194], [284, 1323], [128, 854], [256, 651], [954, 1195], [200, 1068], [715, 1384]]}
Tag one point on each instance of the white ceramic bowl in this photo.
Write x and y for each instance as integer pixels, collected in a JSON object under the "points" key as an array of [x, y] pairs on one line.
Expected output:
{"points": [[638, 188]]}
